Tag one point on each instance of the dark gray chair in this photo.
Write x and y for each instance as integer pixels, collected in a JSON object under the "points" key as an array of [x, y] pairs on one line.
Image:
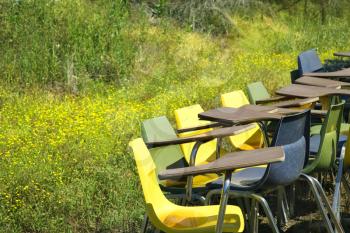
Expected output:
{"points": [[253, 183], [309, 62]]}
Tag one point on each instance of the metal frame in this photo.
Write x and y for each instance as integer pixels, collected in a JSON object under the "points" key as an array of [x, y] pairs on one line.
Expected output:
{"points": [[223, 201], [328, 215], [192, 163], [253, 207], [337, 189], [144, 224], [325, 208]]}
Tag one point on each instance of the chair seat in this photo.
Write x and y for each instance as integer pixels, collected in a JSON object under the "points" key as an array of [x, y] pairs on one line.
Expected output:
{"points": [[242, 179], [198, 181], [249, 140], [344, 129], [200, 218], [315, 143], [249, 147]]}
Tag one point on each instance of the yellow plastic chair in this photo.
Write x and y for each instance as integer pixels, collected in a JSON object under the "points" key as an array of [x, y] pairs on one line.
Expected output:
{"points": [[169, 217], [187, 117], [251, 139]]}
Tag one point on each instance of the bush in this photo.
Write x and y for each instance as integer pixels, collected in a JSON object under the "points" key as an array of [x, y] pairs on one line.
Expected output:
{"points": [[48, 41]]}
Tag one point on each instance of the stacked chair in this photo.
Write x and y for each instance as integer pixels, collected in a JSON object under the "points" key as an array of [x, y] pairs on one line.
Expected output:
{"points": [[251, 139], [169, 217], [191, 184], [310, 62], [172, 156], [186, 120]]}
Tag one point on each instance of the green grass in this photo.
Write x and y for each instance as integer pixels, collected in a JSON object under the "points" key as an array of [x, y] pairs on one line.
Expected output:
{"points": [[67, 112], [49, 41]]}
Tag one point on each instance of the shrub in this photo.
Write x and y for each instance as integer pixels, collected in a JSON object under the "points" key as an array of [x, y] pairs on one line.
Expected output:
{"points": [[56, 41]]}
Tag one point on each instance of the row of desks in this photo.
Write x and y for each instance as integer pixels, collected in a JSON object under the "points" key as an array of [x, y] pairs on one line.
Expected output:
{"points": [[342, 54], [308, 90], [314, 89]]}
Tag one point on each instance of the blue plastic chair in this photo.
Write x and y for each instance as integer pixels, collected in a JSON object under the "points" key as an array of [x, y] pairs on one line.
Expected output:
{"points": [[309, 62], [293, 132]]}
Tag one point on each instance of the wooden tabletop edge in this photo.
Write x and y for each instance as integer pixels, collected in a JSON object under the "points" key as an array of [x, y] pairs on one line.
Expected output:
{"points": [[216, 167]]}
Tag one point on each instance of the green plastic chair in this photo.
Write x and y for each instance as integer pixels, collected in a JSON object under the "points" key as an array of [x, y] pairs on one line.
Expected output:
{"points": [[344, 129], [326, 148], [256, 92], [324, 145], [166, 157], [159, 129]]}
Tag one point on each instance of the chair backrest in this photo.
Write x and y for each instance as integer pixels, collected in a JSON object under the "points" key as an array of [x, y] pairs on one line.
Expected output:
{"points": [[160, 129], [292, 133], [308, 62], [187, 117], [257, 91], [250, 139], [154, 197], [147, 171], [329, 133], [169, 217], [234, 99], [294, 75]]}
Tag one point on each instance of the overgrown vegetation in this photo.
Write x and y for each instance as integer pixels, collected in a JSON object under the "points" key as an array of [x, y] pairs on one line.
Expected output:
{"points": [[55, 42], [79, 76]]}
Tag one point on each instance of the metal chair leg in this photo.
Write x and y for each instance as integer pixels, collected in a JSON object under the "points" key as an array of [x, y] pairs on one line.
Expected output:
{"points": [[210, 194], [253, 223], [223, 201], [243, 206], [292, 200], [337, 188], [267, 211], [336, 223], [286, 210], [247, 206], [282, 207], [346, 185], [319, 203], [323, 204], [192, 163], [144, 224], [337, 195]]}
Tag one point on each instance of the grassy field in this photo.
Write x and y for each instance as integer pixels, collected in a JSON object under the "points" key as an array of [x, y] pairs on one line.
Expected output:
{"points": [[77, 80]]}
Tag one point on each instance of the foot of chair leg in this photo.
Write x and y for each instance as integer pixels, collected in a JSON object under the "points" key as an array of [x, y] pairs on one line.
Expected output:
{"points": [[254, 211], [144, 224], [282, 206], [223, 201], [336, 222], [346, 185], [267, 211], [323, 204], [292, 200]]}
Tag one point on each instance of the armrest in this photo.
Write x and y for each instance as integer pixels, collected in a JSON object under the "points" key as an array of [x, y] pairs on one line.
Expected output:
{"points": [[296, 102], [272, 99], [319, 113], [211, 125], [215, 133], [229, 162]]}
